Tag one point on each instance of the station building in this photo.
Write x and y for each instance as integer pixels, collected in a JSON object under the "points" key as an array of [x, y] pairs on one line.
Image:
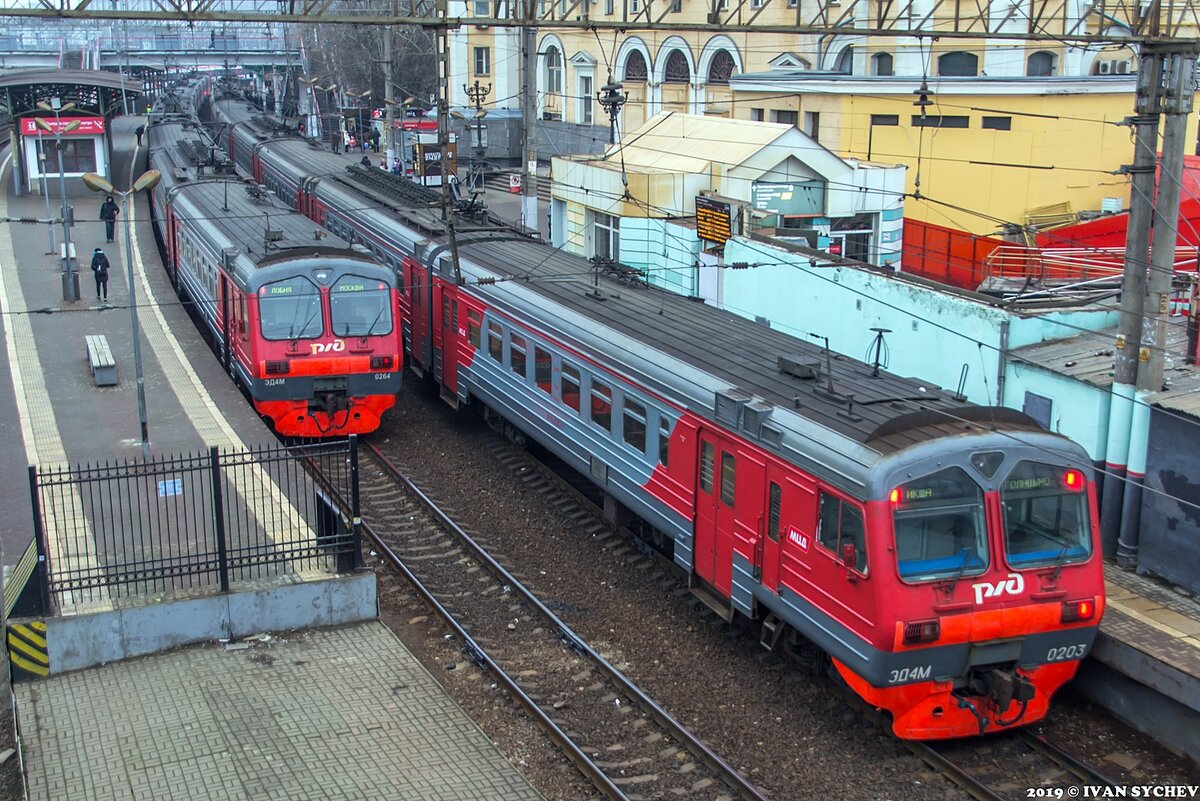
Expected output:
{"points": [[90, 98], [680, 186]]}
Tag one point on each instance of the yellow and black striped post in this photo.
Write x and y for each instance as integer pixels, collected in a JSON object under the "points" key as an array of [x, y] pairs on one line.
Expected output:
{"points": [[28, 653]]}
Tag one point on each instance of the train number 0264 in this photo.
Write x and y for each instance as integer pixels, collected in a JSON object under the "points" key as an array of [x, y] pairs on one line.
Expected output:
{"points": [[1066, 652]]}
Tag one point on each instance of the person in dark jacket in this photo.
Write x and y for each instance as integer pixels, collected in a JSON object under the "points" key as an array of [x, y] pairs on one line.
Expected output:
{"points": [[365, 161], [100, 271], [108, 213], [140, 131]]}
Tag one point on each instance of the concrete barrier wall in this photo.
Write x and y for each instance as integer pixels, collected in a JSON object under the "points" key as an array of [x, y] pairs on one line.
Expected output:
{"points": [[82, 641]]}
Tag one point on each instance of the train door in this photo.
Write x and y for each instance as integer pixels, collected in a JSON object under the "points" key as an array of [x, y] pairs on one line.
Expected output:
{"points": [[417, 279], [445, 338], [790, 511], [716, 479], [223, 312]]}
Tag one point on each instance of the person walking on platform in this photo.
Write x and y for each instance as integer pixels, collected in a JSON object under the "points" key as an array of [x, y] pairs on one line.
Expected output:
{"points": [[108, 213], [100, 271], [140, 130]]}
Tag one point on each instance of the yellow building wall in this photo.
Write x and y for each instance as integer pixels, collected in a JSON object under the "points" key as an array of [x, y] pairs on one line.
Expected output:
{"points": [[976, 178]]}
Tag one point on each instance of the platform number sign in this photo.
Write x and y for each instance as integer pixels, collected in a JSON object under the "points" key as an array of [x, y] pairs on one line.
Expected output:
{"points": [[170, 486], [797, 538]]}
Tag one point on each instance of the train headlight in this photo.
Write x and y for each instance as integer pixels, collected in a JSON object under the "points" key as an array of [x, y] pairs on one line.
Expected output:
{"points": [[1074, 611], [381, 362], [920, 631], [280, 367]]}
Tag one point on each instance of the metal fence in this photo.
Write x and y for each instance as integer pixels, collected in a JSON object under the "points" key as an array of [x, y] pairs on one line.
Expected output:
{"points": [[194, 522]]}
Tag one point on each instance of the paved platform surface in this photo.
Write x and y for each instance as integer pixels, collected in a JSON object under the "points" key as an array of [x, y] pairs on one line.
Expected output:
{"points": [[1156, 621], [330, 714]]}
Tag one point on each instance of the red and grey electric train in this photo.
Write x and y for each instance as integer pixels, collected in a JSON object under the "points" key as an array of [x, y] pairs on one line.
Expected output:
{"points": [[942, 555], [308, 325]]}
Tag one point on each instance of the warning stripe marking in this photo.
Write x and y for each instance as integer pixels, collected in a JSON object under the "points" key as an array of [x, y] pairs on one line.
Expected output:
{"points": [[16, 644], [29, 667], [30, 635]]}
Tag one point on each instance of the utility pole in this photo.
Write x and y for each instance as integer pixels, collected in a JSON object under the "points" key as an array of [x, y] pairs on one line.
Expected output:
{"points": [[443, 62], [1178, 87], [1133, 294], [529, 196], [389, 96]]}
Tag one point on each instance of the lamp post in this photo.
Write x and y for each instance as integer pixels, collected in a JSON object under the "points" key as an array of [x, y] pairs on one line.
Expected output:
{"points": [[70, 277], [611, 99], [146, 180], [358, 100], [46, 191]]}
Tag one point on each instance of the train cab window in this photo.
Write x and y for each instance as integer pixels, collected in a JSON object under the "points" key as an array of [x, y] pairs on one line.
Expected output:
{"points": [[516, 355], [290, 309], [1045, 515], [728, 478], [841, 524], [940, 527], [360, 307], [543, 370], [570, 385], [474, 324], [664, 440], [495, 342], [773, 503], [601, 406], [706, 467], [633, 425]]}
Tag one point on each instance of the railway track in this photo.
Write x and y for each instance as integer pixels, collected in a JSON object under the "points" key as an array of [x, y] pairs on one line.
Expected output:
{"points": [[624, 743]]}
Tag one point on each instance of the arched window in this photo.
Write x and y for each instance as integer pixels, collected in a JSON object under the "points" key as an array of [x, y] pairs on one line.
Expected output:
{"points": [[1041, 64], [721, 68], [635, 68], [845, 62], [554, 71], [881, 64], [958, 63], [677, 70]]}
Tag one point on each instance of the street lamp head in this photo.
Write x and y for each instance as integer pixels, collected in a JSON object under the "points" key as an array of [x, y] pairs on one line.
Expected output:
{"points": [[41, 123], [457, 115], [147, 180], [97, 183], [67, 107], [44, 106], [72, 125]]}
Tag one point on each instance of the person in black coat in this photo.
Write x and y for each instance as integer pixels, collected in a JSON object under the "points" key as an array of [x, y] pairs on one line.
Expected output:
{"points": [[100, 271], [108, 213], [140, 131]]}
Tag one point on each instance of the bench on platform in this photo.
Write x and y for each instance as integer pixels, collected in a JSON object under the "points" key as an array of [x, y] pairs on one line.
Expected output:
{"points": [[100, 358]]}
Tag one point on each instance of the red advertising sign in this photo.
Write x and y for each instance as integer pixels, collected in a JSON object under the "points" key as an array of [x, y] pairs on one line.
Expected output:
{"points": [[88, 126]]}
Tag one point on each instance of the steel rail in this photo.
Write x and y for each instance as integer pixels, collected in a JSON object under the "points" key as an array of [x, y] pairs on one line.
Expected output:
{"points": [[693, 744], [1067, 760], [945, 766]]}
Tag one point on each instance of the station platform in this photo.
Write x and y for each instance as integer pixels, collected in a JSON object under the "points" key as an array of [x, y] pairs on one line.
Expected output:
{"points": [[59, 415], [1145, 665], [343, 713]]}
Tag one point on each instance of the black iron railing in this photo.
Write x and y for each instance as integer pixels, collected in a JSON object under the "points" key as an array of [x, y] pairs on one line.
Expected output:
{"points": [[194, 522]]}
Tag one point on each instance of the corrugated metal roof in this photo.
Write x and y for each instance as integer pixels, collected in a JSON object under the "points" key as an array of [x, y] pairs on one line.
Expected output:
{"points": [[689, 143], [1091, 357]]}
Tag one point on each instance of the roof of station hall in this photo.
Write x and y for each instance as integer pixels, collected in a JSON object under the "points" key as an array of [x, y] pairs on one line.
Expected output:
{"points": [[85, 88]]}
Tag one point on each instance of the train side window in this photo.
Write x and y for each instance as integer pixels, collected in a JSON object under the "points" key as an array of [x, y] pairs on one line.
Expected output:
{"points": [[516, 355], [570, 385], [841, 524], [474, 324], [543, 370], [706, 467], [664, 439], [773, 503], [601, 405], [495, 342], [634, 425], [728, 478]]}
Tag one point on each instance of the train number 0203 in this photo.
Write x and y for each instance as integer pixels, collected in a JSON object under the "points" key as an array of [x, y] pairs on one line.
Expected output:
{"points": [[1066, 652]]}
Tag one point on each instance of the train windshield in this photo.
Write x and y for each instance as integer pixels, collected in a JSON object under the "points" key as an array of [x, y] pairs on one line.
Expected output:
{"points": [[940, 527], [1045, 515], [360, 307], [290, 309]]}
